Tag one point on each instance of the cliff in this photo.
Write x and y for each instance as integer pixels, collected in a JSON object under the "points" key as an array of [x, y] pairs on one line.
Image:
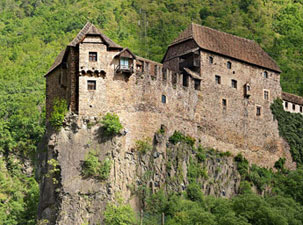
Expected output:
{"points": [[71, 195]]}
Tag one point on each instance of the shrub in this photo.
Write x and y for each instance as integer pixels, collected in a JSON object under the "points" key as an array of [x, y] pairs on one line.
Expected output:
{"points": [[111, 124], [58, 113], [180, 137], [144, 146], [93, 167], [194, 192], [242, 165], [200, 154], [279, 165], [119, 214]]}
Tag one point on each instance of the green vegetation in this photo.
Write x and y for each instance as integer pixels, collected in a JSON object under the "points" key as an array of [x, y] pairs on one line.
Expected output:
{"points": [[53, 171], [111, 124], [57, 116], [119, 214], [180, 137], [144, 146], [19, 195], [93, 167], [32, 33], [291, 129]]}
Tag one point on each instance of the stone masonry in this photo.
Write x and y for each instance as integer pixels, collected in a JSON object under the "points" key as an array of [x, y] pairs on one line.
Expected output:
{"points": [[232, 114]]}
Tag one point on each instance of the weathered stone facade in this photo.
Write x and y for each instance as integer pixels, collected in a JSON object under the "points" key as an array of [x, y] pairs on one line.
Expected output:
{"points": [[221, 115]]}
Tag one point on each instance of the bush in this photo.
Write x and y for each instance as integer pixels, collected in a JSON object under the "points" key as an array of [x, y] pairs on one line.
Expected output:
{"points": [[58, 113], [242, 165], [144, 146], [180, 137], [119, 214], [111, 124], [200, 154], [93, 167], [279, 165], [194, 192]]}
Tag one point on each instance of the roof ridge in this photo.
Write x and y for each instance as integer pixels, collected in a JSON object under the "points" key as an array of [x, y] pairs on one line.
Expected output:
{"points": [[223, 32]]}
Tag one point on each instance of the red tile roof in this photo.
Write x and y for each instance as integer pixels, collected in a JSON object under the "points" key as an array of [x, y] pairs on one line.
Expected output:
{"points": [[228, 45]]}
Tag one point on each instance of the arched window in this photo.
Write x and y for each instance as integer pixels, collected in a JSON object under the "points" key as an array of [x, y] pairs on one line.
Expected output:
{"points": [[265, 74]]}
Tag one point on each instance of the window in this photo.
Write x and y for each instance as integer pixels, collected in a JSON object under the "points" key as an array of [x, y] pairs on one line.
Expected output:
{"points": [[91, 85], [211, 60], [224, 103], [174, 79], [124, 63], [163, 99], [218, 79], [197, 84], [234, 83], [293, 106], [266, 95], [286, 105], [247, 90], [93, 56], [164, 74], [301, 108], [156, 70], [265, 74], [228, 64], [185, 80], [258, 111]]}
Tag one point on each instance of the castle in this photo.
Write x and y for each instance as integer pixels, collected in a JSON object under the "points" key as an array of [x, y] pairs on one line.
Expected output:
{"points": [[214, 86]]}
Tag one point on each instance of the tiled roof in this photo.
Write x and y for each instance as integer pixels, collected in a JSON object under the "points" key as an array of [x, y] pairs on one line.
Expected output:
{"points": [[88, 29], [292, 98], [228, 45]]}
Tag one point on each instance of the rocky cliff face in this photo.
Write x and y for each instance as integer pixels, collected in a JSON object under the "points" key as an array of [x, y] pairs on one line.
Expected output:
{"points": [[69, 197]]}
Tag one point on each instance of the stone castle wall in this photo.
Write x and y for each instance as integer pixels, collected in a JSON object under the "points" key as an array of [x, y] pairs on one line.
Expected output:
{"points": [[137, 99]]}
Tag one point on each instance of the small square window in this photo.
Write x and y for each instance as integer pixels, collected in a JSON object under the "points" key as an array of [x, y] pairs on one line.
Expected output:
{"points": [[93, 56], [228, 64], [234, 84], [211, 60], [258, 111], [163, 99], [91, 85], [224, 103], [286, 105], [266, 95], [265, 74], [218, 79], [197, 84], [293, 106]]}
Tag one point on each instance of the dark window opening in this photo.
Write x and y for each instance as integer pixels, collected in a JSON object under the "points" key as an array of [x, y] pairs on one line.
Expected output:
{"points": [[93, 56], [265, 74], [197, 84], [228, 64], [286, 105], [164, 74], [234, 83], [258, 112], [301, 109], [163, 99], [266, 95], [224, 103], [156, 70], [293, 106], [174, 79], [211, 60], [91, 85], [185, 80], [218, 79]]}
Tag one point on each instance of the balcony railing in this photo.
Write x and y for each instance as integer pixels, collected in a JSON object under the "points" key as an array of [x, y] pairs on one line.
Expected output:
{"points": [[125, 69]]}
